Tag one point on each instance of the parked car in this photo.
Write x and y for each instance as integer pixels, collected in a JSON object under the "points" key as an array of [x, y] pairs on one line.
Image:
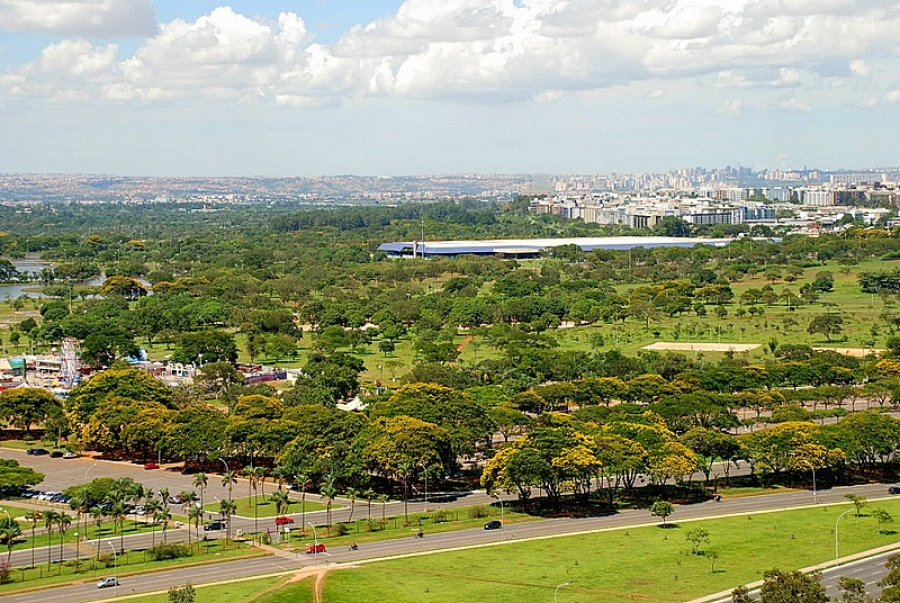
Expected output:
{"points": [[280, 521], [174, 499], [139, 510], [315, 548], [218, 524], [70, 455], [56, 454], [37, 451], [894, 490], [494, 524], [151, 465], [108, 582]]}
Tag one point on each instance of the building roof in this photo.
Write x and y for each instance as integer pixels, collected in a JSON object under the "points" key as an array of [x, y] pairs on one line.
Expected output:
{"points": [[534, 246]]}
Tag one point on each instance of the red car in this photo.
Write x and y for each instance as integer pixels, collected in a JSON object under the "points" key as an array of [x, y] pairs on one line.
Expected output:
{"points": [[315, 548], [151, 466], [281, 521]]}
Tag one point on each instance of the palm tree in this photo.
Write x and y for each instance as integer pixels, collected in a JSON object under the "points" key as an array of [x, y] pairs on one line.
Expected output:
{"points": [[8, 534], [200, 482], [404, 469], [80, 503], [151, 508], [281, 474], [352, 493], [250, 474], [228, 480], [383, 498], [328, 490], [165, 517], [369, 494], [227, 508], [195, 515], [163, 496], [34, 517], [97, 516], [50, 519], [302, 481], [63, 521], [281, 500], [262, 474], [119, 514]]}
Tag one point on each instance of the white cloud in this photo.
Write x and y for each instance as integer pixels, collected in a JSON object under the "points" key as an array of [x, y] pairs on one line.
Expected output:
{"points": [[893, 96], [480, 49], [104, 18], [793, 104], [732, 109], [656, 94]]}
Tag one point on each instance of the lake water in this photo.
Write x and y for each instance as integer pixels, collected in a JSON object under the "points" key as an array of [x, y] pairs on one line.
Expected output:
{"points": [[33, 265]]}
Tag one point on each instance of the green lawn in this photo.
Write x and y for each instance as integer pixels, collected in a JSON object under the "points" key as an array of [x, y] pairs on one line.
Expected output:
{"points": [[88, 528], [262, 590], [246, 507], [650, 563], [129, 563]]}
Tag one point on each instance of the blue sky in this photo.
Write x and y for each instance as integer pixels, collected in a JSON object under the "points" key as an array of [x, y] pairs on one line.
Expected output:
{"points": [[143, 87]]}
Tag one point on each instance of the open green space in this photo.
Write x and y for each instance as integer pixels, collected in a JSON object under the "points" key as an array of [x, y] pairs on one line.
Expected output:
{"points": [[648, 563], [262, 590], [250, 506], [75, 532], [93, 567]]}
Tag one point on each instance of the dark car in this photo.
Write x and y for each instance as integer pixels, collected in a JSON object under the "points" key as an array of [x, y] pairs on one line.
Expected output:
{"points": [[493, 525], [56, 454], [894, 490], [215, 525], [37, 451]]}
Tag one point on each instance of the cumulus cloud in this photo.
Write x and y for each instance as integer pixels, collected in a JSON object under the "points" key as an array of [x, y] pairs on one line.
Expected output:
{"points": [[490, 49], [103, 18], [793, 104]]}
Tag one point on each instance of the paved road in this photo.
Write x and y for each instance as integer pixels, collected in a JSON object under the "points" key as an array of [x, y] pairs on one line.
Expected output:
{"points": [[432, 542]]}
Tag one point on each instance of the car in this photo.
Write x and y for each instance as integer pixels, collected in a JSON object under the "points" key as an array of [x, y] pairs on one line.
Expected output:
{"points": [[108, 582], [493, 525], [280, 521], [139, 510], [151, 465], [315, 548], [218, 524], [894, 490], [56, 454], [37, 451], [70, 455], [174, 499]]}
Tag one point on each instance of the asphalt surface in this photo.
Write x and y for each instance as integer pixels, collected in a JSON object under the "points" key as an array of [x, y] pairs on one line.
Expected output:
{"points": [[431, 542]]}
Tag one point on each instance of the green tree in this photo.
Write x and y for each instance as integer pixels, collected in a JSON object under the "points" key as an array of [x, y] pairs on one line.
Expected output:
{"points": [[182, 594], [795, 586], [25, 406], [883, 518], [663, 509], [134, 384], [826, 324], [697, 537]]}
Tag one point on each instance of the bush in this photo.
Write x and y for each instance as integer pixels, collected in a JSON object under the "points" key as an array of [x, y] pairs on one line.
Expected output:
{"points": [[107, 559], [172, 550], [478, 512], [442, 516], [5, 574], [340, 529]]}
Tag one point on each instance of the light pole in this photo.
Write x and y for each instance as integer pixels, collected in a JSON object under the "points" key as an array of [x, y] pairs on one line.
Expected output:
{"points": [[555, 592], [84, 479], [116, 565], [836, 544], [227, 471], [502, 522], [315, 544]]}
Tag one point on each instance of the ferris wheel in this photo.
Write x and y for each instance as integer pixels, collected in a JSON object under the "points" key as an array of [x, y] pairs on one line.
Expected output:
{"points": [[71, 360]]}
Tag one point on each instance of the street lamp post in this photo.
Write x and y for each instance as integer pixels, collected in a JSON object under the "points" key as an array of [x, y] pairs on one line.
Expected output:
{"points": [[556, 592], [315, 544], [227, 471], [84, 479], [116, 566], [502, 521], [836, 543]]}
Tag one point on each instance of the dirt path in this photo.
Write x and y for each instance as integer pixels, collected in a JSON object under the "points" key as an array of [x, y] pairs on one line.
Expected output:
{"points": [[463, 343]]}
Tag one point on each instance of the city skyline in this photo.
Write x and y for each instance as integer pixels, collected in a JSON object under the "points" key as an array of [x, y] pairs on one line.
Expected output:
{"points": [[143, 88]]}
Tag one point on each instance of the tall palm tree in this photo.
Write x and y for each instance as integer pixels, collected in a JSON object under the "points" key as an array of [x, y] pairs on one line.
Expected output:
{"points": [[280, 475], [201, 481], [80, 503], [352, 494], [302, 481], [262, 474], [383, 498], [405, 468], [63, 521], [195, 516], [227, 508], [34, 517], [369, 495], [228, 480], [250, 474], [165, 517], [8, 534], [119, 513], [97, 515], [151, 508], [329, 491], [281, 500], [50, 521]]}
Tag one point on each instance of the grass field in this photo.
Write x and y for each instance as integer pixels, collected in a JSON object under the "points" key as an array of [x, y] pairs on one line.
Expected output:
{"points": [[246, 507], [649, 563], [263, 590]]}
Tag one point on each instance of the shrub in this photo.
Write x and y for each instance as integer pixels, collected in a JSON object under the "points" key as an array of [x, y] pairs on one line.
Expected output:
{"points": [[478, 512], [169, 550], [340, 529], [5, 573], [441, 515]]}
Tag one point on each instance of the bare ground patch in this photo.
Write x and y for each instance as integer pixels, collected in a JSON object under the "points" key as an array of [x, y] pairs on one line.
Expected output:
{"points": [[687, 346]]}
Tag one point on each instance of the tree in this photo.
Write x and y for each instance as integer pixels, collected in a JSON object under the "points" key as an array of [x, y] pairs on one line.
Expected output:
{"points": [[205, 346], [102, 348], [124, 381], [13, 477], [662, 508], [227, 508], [858, 501], [182, 594], [128, 288], [884, 518], [890, 584], [25, 406], [9, 532], [697, 536], [826, 324], [795, 586], [853, 590]]}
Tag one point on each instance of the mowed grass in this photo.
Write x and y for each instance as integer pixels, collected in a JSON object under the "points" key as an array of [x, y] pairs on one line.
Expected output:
{"points": [[262, 590], [247, 507], [648, 563]]}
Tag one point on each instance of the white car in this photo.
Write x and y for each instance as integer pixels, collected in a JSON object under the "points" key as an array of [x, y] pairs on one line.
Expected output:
{"points": [[108, 582]]}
